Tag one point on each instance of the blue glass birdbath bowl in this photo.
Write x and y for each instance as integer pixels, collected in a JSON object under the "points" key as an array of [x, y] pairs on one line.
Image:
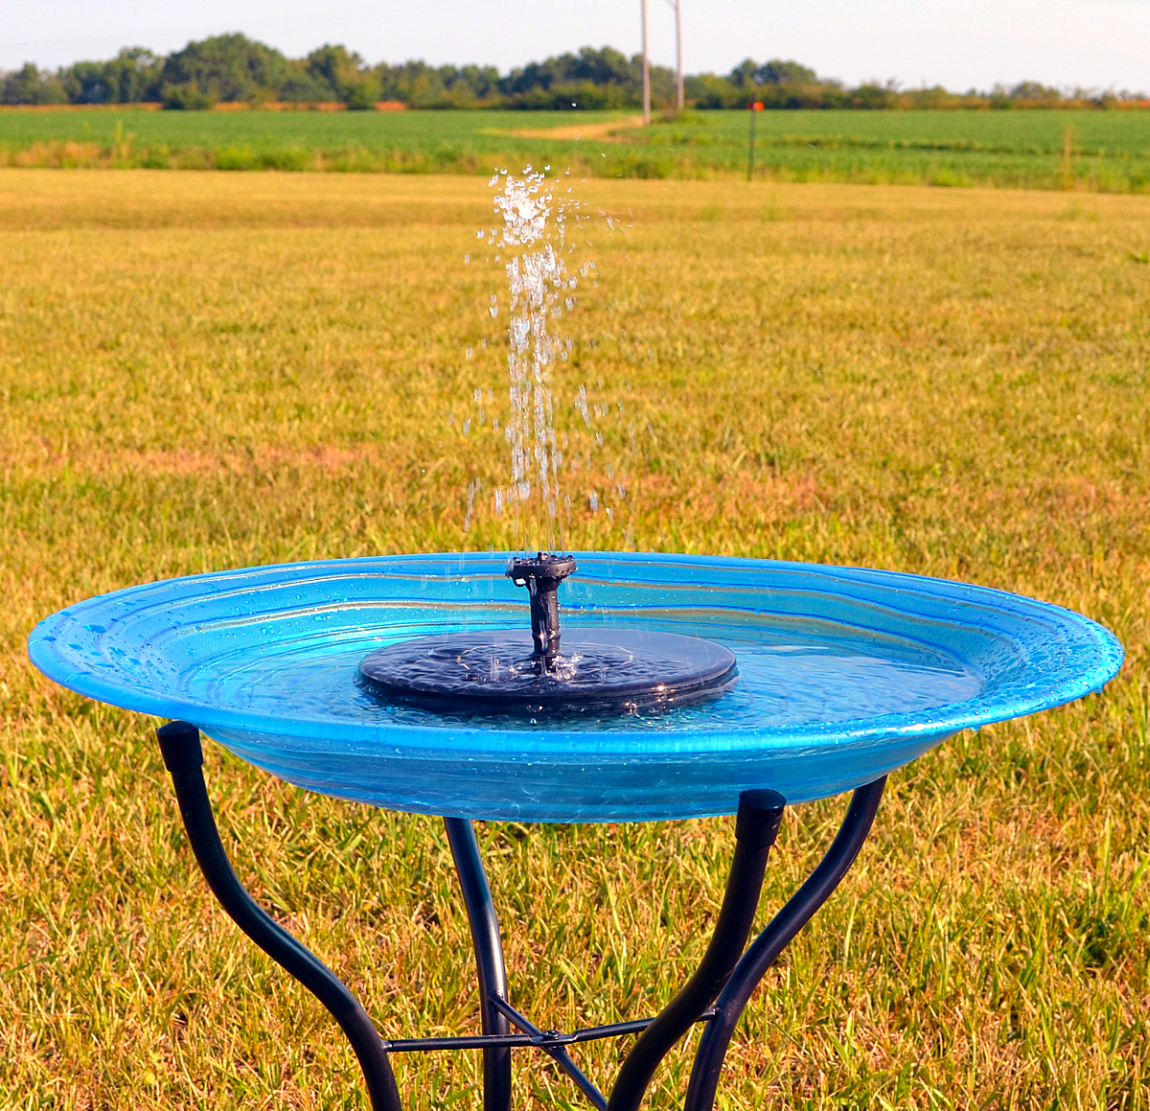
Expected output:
{"points": [[844, 675]]}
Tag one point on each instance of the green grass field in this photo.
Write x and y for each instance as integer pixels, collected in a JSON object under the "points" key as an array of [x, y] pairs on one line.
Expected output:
{"points": [[208, 370], [1084, 150]]}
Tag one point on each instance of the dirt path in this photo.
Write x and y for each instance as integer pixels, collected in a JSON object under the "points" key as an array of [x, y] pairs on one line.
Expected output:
{"points": [[600, 131]]}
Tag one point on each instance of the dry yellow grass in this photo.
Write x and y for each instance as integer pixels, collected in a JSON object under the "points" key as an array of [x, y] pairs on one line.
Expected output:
{"points": [[200, 371]]}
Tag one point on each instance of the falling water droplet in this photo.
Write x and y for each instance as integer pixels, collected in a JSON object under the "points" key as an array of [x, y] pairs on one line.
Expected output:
{"points": [[471, 488]]}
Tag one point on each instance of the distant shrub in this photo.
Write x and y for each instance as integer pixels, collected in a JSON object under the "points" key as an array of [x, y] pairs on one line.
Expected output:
{"points": [[286, 158], [235, 158], [187, 97], [361, 97]]}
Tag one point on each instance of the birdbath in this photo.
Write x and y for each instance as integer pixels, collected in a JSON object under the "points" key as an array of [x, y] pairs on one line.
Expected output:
{"points": [[678, 687]]}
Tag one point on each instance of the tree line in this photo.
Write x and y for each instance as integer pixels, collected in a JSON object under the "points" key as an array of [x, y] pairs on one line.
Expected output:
{"points": [[235, 69]]}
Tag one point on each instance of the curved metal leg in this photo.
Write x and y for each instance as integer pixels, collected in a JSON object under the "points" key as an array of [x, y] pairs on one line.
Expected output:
{"points": [[180, 743], [765, 949], [756, 827], [725, 972], [492, 972]]}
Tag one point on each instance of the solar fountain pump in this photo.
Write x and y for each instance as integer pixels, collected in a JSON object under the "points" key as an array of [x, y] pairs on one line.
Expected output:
{"points": [[542, 574], [603, 671]]}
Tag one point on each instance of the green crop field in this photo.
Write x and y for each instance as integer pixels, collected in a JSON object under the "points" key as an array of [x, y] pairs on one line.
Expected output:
{"points": [[206, 370], [1083, 150], [1040, 149]]}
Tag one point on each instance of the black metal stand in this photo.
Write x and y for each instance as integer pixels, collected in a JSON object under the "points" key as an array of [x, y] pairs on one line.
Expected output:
{"points": [[716, 994]]}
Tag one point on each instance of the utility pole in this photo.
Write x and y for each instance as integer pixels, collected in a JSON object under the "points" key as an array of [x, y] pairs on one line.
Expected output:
{"points": [[646, 69], [678, 4]]}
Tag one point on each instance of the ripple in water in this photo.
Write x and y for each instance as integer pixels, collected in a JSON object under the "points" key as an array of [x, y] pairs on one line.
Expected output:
{"points": [[786, 680]]}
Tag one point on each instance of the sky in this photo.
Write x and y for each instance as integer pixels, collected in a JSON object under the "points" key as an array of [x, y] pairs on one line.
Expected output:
{"points": [[961, 44]]}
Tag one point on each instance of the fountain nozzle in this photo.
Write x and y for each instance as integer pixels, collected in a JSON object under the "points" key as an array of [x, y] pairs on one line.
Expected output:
{"points": [[542, 574]]}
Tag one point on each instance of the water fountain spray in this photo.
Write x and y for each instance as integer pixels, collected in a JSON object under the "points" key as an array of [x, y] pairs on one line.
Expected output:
{"points": [[530, 242], [604, 671]]}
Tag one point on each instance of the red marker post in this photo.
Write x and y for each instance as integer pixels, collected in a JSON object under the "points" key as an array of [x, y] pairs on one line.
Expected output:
{"points": [[756, 106]]}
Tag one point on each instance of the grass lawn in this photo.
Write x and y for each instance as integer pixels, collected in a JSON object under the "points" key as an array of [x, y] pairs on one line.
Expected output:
{"points": [[1067, 150], [204, 370]]}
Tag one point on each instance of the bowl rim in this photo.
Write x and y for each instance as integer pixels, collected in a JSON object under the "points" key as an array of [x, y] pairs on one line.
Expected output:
{"points": [[1094, 656]]}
